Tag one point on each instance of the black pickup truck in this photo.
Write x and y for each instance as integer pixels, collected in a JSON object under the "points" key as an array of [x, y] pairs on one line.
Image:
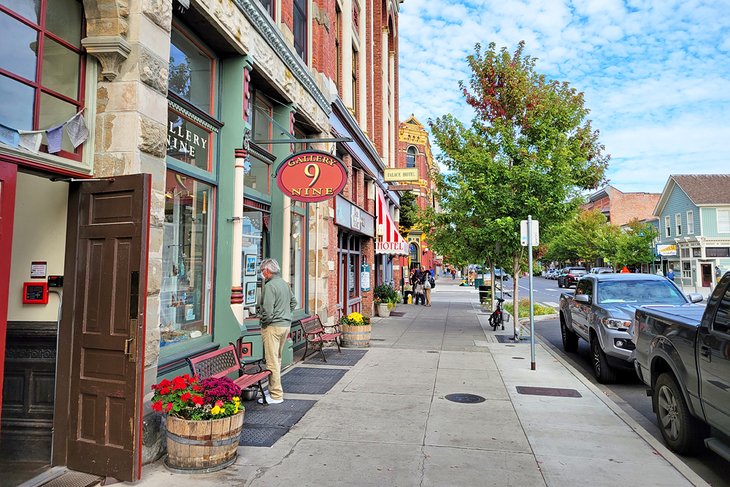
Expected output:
{"points": [[683, 356]]}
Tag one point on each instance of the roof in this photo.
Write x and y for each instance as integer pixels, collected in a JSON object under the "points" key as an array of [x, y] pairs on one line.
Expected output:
{"points": [[701, 189]]}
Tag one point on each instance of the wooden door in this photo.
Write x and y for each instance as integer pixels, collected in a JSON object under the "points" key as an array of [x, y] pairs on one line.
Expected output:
{"points": [[706, 275], [7, 212], [101, 341]]}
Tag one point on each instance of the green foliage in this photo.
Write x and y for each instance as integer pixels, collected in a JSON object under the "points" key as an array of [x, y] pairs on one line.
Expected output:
{"points": [[635, 244], [408, 211], [529, 151], [524, 309], [386, 294]]}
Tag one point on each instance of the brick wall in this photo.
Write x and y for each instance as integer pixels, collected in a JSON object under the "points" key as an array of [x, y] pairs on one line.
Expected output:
{"points": [[627, 206], [323, 38]]}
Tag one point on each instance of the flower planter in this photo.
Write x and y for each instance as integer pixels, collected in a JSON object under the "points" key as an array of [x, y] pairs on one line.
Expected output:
{"points": [[383, 310], [355, 336], [202, 446]]}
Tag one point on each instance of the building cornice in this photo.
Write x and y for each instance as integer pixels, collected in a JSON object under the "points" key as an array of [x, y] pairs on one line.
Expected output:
{"points": [[263, 24]]}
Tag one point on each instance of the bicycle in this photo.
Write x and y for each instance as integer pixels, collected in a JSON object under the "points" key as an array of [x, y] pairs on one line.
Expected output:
{"points": [[496, 319]]}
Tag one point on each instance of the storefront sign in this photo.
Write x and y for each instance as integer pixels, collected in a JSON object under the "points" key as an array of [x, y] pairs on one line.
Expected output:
{"points": [[365, 277], [353, 217], [666, 250], [356, 218], [311, 176], [398, 175], [187, 141]]}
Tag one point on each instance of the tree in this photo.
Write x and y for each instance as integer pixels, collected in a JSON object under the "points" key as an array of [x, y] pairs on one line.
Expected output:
{"points": [[529, 151], [586, 237], [408, 211], [635, 244]]}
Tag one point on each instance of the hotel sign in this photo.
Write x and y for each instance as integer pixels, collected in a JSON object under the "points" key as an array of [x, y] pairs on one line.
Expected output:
{"points": [[311, 176], [400, 175]]}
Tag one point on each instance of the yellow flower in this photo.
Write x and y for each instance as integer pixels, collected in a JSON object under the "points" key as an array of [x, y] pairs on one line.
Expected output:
{"points": [[355, 316], [236, 399], [235, 411], [215, 411]]}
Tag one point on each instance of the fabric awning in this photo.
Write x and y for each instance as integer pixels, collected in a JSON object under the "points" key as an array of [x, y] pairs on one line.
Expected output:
{"points": [[389, 240]]}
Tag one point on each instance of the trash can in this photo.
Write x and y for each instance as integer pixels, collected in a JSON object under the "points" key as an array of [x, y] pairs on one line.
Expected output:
{"points": [[485, 293], [478, 282]]}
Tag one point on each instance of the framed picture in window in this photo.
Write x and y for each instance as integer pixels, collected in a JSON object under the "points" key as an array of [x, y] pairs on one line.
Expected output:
{"points": [[250, 298], [250, 264]]}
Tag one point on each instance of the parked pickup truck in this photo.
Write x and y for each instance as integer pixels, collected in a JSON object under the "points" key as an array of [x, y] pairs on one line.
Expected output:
{"points": [[602, 310], [683, 356]]}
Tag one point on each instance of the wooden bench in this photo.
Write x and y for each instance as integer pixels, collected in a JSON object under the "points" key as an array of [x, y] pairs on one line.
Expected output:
{"points": [[316, 335], [224, 361]]}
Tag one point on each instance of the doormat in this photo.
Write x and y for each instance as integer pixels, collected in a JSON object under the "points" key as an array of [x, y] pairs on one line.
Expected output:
{"points": [[398, 314], [305, 380], [547, 391], [264, 425], [74, 479], [347, 357]]}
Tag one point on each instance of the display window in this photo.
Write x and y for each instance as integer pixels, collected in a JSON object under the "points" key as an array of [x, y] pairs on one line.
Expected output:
{"points": [[185, 292], [42, 67], [255, 248], [297, 274]]}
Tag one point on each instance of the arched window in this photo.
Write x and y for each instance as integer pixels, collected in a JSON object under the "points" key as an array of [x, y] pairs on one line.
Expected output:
{"points": [[415, 255], [411, 157]]}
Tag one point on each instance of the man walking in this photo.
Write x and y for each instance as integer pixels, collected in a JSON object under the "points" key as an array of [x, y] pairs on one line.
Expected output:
{"points": [[277, 303]]}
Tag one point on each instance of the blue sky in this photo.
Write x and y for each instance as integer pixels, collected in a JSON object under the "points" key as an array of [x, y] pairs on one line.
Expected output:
{"points": [[656, 74]]}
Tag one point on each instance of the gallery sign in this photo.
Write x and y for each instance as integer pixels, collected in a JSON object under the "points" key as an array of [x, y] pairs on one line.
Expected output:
{"points": [[311, 176]]}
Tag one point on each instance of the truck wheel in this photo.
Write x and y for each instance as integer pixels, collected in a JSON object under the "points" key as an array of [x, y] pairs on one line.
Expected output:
{"points": [[682, 432], [570, 339], [603, 372]]}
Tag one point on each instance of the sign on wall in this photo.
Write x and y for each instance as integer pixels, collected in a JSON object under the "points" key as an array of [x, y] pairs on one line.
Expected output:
{"points": [[666, 250], [403, 174], [311, 176], [365, 277]]}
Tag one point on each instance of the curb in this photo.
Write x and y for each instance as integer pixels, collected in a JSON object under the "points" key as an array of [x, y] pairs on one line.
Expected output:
{"points": [[662, 450]]}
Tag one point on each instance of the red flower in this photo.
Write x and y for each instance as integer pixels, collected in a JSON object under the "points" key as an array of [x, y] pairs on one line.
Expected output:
{"points": [[219, 404], [186, 397], [197, 388], [168, 407], [164, 390], [157, 406], [178, 384], [198, 400], [187, 378], [164, 383]]}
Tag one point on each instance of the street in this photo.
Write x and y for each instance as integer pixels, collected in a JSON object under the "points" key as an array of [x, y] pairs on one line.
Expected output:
{"points": [[629, 392]]}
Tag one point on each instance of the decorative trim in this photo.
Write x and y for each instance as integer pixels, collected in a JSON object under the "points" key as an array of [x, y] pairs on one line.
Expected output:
{"points": [[204, 120], [111, 51], [263, 24]]}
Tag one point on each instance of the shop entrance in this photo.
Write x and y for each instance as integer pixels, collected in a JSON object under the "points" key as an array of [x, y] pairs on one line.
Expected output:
{"points": [[706, 275]]}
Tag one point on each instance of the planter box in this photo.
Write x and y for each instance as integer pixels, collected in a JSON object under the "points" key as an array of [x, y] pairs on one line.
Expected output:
{"points": [[202, 446], [383, 310], [355, 336]]}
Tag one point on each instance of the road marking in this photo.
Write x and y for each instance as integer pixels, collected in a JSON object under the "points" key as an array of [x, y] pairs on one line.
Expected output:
{"points": [[551, 304]]}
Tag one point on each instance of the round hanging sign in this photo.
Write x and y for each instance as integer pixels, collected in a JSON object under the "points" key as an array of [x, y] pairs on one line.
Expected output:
{"points": [[311, 176]]}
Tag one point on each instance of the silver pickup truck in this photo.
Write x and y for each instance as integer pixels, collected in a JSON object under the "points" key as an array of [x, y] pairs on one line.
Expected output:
{"points": [[683, 356], [602, 310]]}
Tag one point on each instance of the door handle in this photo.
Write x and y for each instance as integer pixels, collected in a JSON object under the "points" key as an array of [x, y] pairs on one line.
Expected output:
{"points": [[706, 351], [130, 348]]}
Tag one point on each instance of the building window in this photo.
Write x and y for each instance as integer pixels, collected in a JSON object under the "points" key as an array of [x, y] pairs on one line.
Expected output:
{"points": [[411, 156], [696, 252], [269, 6], [297, 274], [338, 48], [254, 249], [191, 71], [690, 222], [257, 168], [721, 323], [678, 223], [687, 270], [684, 252], [42, 67], [717, 252], [723, 221], [355, 178], [300, 28], [186, 256], [355, 84], [667, 227]]}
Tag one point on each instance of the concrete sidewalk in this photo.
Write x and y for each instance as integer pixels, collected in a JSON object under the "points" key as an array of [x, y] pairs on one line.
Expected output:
{"points": [[388, 423]]}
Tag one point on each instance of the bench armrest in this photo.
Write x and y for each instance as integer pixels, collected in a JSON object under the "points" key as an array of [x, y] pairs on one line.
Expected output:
{"points": [[334, 328]]}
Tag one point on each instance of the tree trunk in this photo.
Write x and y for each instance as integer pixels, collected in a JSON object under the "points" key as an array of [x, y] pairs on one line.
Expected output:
{"points": [[515, 289], [494, 285]]}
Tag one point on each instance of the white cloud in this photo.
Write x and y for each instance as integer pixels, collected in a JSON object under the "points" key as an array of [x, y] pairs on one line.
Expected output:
{"points": [[655, 73]]}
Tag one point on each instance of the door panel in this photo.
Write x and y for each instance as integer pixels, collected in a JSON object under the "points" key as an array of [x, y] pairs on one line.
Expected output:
{"points": [[103, 327], [7, 212], [714, 365]]}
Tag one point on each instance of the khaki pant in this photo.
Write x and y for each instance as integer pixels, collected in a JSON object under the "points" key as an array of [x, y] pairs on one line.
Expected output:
{"points": [[274, 338], [428, 297]]}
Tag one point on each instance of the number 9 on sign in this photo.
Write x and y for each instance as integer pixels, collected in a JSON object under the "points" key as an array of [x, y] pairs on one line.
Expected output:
{"points": [[312, 171]]}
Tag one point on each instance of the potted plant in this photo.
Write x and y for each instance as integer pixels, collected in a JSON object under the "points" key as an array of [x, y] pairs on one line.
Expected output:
{"points": [[206, 414], [356, 330], [385, 299]]}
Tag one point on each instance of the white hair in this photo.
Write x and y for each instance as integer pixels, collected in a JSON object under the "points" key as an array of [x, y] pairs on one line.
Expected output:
{"points": [[271, 265]]}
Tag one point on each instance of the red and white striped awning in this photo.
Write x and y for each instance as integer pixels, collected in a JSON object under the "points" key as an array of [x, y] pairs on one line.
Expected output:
{"points": [[389, 240]]}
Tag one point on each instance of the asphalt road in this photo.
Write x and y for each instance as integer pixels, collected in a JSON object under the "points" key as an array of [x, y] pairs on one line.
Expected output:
{"points": [[629, 392]]}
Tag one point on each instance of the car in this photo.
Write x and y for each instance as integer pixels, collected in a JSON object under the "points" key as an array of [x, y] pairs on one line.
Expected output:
{"points": [[602, 310], [500, 273], [552, 274], [570, 275], [602, 270]]}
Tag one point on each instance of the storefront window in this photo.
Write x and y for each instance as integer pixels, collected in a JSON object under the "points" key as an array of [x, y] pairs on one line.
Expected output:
{"points": [[190, 71], [254, 251], [185, 289], [256, 174], [188, 142], [297, 272], [42, 95]]}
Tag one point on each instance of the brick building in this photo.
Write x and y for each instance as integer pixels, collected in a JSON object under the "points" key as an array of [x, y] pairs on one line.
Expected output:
{"points": [[620, 208]]}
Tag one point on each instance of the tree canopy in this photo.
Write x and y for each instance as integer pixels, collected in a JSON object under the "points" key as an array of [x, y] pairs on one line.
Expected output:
{"points": [[529, 150]]}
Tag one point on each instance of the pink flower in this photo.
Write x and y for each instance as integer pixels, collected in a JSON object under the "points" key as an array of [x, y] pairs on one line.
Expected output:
{"points": [[219, 403]]}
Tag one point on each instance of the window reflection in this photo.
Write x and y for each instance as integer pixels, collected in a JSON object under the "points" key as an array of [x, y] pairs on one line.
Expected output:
{"points": [[190, 71], [296, 274]]}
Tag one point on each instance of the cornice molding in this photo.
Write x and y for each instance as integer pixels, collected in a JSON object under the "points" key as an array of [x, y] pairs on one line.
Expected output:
{"points": [[263, 24]]}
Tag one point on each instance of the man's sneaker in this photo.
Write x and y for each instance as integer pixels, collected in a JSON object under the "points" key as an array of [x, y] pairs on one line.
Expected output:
{"points": [[271, 400]]}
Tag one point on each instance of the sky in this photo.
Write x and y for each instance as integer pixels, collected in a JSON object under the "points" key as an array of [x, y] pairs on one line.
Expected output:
{"points": [[655, 74]]}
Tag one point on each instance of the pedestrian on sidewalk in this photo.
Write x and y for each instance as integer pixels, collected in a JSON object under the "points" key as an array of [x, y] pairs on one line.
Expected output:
{"points": [[670, 273], [277, 304], [428, 284], [419, 290]]}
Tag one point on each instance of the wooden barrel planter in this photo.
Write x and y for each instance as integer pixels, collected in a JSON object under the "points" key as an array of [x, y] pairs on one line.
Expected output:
{"points": [[202, 446], [355, 336]]}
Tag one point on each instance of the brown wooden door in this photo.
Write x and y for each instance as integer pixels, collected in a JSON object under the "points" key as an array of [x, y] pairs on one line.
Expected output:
{"points": [[706, 275], [101, 340], [7, 212]]}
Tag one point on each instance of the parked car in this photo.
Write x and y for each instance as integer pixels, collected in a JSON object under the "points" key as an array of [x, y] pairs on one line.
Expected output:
{"points": [[552, 273], [570, 275], [601, 312], [602, 270], [683, 356], [500, 273]]}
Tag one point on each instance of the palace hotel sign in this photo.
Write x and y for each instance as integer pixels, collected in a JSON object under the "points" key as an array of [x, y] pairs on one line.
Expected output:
{"points": [[311, 176]]}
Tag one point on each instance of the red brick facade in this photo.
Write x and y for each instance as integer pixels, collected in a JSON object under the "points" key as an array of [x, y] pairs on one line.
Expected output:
{"points": [[620, 208]]}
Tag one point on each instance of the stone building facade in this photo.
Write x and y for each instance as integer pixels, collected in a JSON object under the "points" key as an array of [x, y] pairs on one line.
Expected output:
{"points": [[190, 106]]}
